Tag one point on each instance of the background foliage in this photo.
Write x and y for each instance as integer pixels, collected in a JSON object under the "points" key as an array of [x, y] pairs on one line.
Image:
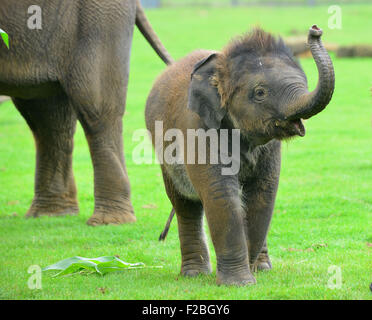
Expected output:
{"points": [[170, 3]]}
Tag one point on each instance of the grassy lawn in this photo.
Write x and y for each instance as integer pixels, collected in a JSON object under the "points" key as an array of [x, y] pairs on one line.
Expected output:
{"points": [[323, 213]]}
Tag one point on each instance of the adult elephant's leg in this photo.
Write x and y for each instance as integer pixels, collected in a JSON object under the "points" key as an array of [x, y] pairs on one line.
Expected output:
{"points": [[97, 85], [53, 123], [194, 248], [111, 183]]}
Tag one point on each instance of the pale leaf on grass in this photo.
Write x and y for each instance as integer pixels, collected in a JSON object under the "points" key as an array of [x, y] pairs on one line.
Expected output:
{"points": [[100, 265]]}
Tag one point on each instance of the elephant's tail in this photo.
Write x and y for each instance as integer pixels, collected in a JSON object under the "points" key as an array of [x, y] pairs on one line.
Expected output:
{"points": [[166, 229], [148, 32]]}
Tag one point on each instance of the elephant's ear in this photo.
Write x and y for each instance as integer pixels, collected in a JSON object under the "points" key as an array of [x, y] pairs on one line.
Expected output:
{"points": [[203, 97]]}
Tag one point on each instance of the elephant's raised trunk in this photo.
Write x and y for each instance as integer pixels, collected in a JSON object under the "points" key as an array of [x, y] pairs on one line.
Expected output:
{"points": [[314, 102]]}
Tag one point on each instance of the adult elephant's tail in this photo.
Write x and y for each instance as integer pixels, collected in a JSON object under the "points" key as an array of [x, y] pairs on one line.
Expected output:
{"points": [[148, 32]]}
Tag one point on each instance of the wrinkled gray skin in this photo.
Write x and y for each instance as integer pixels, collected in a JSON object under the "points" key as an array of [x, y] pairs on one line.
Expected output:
{"points": [[75, 68], [253, 85]]}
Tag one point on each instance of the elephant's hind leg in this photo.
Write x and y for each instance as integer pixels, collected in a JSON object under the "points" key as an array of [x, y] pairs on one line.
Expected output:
{"points": [[53, 124], [111, 183], [97, 85]]}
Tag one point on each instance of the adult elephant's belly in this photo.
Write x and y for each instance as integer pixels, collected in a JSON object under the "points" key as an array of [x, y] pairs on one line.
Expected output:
{"points": [[28, 91], [27, 78]]}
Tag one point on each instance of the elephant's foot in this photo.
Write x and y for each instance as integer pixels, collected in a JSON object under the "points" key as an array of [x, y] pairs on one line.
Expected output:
{"points": [[192, 270], [52, 209], [112, 216], [263, 263], [245, 278]]}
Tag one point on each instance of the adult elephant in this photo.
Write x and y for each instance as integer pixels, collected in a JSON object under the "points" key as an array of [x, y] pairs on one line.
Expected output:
{"points": [[74, 68]]}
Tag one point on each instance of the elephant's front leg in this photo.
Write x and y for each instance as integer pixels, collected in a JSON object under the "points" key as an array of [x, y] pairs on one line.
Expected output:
{"points": [[259, 193], [263, 261], [222, 205], [194, 247], [53, 123], [259, 198]]}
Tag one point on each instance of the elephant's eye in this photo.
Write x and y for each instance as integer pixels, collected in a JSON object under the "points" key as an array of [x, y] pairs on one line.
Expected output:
{"points": [[259, 93]]}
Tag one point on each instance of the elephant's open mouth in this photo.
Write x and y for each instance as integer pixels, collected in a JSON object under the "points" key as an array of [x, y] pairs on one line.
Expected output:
{"points": [[297, 127], [290, 128]]}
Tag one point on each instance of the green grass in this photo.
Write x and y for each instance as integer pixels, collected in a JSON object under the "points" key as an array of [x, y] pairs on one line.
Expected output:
{"points": [[325, 193], [167, 3]]}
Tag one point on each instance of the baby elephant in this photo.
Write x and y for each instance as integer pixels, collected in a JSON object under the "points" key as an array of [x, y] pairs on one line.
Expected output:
{"points": [[251, 95]]}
